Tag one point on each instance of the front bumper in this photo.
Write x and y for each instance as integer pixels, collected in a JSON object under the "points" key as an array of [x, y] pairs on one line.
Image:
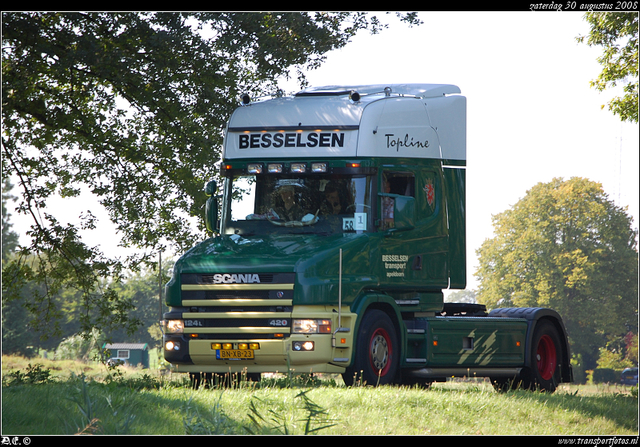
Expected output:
{"points": [[272, 356], [331, 352]]}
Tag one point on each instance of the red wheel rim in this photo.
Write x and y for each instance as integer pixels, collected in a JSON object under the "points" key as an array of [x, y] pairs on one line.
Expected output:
{"points": [[380, 351], [546, 355]]}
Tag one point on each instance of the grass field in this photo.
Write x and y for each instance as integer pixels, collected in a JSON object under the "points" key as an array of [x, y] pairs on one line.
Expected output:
{"points": [[67, 398]]}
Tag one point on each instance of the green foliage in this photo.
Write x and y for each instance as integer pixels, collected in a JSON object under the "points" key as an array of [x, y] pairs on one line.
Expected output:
{"points": [[35, 374], [617, 33], [315, 419], [462, 296], [22, 318], [78, 347], [579, 370], [294, 381], [9, 237], [212, 421], [565, 246], [17, 336], [613, 360], [80, 404], [99, 414], [605, 375], [142, 290]]}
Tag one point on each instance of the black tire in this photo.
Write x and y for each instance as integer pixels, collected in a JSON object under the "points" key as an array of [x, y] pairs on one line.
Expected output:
{"points": [[376, 352], [544, 373], [195, 380], [547, 352], [253, 377]]}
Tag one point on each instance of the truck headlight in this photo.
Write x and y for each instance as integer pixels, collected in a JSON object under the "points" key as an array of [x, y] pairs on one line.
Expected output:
{"points": [[172, 346], [174, 326], [303, 346], [309, 326]]}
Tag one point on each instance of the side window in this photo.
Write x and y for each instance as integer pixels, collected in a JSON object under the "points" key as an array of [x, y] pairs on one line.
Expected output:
{"points": [[394, 183], [400, 183]]}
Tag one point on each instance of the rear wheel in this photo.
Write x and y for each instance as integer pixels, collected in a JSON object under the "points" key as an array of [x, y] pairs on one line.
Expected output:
{"points": [[544, 373], [376, 355]]}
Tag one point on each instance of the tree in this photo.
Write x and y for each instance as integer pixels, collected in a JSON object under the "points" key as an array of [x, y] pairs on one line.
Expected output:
{"points": [[631, 347], [131, 107], [462, 296], [9, 237], [617, 33], [16, 336], [566, 246], [143, 289]]}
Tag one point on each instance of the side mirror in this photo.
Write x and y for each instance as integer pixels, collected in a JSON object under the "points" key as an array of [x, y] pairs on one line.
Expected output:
{"points": [[211, 207], [210, 188]]}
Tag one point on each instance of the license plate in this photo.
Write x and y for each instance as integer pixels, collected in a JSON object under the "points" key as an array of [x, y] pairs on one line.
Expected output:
{"points": [[234, 354]]}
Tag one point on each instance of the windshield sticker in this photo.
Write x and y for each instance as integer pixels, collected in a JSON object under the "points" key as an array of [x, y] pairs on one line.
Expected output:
{"points": [[360, 221], [356, 223]]}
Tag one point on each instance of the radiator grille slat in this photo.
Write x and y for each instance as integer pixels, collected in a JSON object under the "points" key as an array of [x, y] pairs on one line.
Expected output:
{"points": [[258, 308]]}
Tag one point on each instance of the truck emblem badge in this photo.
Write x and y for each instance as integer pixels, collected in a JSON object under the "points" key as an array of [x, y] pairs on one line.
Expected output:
{"points": [[225, 278], [430, 190]]}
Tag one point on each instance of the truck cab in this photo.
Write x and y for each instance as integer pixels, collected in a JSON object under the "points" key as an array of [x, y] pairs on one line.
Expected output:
{"points": [[339, 222]]}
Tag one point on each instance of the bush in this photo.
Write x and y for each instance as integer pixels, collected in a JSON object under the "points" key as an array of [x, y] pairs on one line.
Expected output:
{"points": [[35, 374], [605, 375], [78, 347]]}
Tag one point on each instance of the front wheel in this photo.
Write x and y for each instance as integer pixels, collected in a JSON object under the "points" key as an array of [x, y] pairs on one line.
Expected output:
{"points": [[377, 351]]}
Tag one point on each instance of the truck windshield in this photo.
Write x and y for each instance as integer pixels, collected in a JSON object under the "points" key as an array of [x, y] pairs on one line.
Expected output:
{"points": [[322, 204]]}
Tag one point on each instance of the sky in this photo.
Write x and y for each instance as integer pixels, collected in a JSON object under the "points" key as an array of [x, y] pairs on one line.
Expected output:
{"points": [[531, 113]]}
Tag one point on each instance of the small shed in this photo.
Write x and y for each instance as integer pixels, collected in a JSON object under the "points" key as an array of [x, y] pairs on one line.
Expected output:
{"points": [[129, 353]]}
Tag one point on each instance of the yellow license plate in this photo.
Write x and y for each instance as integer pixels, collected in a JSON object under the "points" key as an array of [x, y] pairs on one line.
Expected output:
{"points": [[234, 354]]}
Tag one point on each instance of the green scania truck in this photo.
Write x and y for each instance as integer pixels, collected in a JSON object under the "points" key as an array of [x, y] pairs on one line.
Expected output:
{"points": [[339, 222]]}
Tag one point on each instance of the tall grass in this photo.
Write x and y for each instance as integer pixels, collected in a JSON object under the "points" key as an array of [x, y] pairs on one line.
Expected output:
{"points": [[140, 403]]}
